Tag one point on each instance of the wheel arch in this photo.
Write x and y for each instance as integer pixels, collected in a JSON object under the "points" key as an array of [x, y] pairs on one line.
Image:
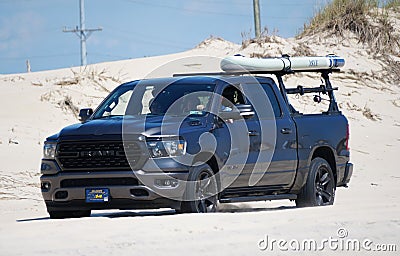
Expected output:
{"points": [[212, 161], [208, 158], [327, 153]]}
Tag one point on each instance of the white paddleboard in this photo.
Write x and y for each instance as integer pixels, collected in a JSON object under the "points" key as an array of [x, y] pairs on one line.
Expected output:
{"points": [[241, 63]]}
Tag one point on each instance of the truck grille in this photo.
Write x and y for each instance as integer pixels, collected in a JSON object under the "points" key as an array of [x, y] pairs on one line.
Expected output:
{"points": [[96, 182], [98, 155]]}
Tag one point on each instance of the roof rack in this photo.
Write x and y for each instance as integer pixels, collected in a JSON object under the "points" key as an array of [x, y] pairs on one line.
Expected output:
{"points": [[258, 72]]}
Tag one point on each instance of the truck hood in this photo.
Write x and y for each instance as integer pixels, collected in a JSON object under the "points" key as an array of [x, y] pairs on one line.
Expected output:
{"points": [[151, 126]]}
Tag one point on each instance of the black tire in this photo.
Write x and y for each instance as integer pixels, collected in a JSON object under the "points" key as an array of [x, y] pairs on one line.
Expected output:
{"points": [[320, 187], [203, 188], [69, 214]]}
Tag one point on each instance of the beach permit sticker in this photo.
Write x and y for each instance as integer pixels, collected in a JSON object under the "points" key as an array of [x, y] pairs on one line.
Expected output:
{"points": [[196, 112], [97, 195]]}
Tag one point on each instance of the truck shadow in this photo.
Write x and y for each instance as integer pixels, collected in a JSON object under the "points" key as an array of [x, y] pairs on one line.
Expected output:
{"points": [[118, 214], [123, 214], [33, 219], [246, 208], [226, 209]]}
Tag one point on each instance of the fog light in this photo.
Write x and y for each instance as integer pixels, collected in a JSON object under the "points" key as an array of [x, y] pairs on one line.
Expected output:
{"points": [[61, 195], [45, 167], [139, 192], [45, 186], [171, 183]]}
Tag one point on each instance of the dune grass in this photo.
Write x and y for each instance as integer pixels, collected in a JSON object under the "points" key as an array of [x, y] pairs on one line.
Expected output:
{"points": [[362, 18], [369, 21]]}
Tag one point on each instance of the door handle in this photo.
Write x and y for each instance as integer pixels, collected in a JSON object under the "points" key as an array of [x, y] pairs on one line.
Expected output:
{"points": [[286, 131], [253, 133]]}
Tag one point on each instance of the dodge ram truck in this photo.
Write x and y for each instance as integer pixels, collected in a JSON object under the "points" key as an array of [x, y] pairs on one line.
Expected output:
{"points": [[193, 141]]}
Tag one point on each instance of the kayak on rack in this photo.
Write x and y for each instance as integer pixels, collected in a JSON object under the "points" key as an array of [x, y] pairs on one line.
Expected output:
{"points": [[285, 63]]}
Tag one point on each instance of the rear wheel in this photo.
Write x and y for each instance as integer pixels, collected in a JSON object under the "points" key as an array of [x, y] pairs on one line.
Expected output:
{"points": [[320, 187], [69, 214], [201, 191]]}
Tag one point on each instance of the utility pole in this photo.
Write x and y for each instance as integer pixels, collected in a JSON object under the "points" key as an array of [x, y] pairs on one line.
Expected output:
{"points": [[257, 23], [28, 66], [82, 32]]}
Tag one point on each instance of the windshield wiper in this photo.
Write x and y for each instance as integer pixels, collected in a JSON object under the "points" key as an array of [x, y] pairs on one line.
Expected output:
{"points": [[103, 117], [151, 114]]}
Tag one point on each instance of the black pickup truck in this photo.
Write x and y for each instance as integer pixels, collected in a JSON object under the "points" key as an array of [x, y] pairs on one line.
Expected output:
{"points": [[191, 142]]}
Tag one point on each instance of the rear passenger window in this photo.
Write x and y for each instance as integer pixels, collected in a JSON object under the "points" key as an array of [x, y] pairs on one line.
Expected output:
{"points": [[273, 99], [256, 96]]}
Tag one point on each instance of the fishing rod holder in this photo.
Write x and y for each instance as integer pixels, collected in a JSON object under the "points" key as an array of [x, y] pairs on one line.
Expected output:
{"points": [[303, 90]]}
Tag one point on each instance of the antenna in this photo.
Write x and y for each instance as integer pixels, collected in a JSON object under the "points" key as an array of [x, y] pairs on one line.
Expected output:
{"points": [[82, 32]]}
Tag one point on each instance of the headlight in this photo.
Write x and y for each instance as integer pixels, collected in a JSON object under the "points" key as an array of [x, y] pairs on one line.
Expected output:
{"points": [[166, 148], [49, 150]]}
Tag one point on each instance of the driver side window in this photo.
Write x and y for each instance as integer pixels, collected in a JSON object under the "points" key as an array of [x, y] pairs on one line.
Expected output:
{"points": [[118, 106], [231, 96]]}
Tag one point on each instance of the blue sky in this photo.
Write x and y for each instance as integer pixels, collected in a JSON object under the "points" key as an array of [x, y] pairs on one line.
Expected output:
{"points": [[32, 29]]}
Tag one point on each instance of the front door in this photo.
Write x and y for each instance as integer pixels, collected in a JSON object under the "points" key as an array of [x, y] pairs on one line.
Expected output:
{"points": [[273, 152]]}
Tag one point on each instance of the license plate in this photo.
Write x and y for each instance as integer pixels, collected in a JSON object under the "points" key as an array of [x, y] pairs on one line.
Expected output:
{"points": [[97, 195]]}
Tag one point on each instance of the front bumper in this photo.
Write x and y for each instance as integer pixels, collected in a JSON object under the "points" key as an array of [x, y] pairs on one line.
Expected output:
{"points": [[66, 190]]}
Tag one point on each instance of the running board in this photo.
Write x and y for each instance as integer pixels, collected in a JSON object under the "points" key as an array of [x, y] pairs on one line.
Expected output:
{"points": [[258, 198]]}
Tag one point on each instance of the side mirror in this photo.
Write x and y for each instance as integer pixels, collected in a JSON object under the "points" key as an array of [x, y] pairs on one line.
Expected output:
{"points": [[240, 111], [84, 114]]}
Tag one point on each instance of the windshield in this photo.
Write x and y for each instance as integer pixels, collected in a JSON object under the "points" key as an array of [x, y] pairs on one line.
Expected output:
{"points": [[148, 99]]}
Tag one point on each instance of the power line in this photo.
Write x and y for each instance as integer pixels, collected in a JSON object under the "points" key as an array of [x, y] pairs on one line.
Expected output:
{"points": [[146, 38], [186, 9], [83, 33], [40, 56], [210, 12], [248, 3]]}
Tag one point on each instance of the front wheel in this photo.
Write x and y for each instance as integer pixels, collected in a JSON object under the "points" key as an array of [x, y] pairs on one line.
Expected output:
{"points": [[320, 187], [201, 193]]}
